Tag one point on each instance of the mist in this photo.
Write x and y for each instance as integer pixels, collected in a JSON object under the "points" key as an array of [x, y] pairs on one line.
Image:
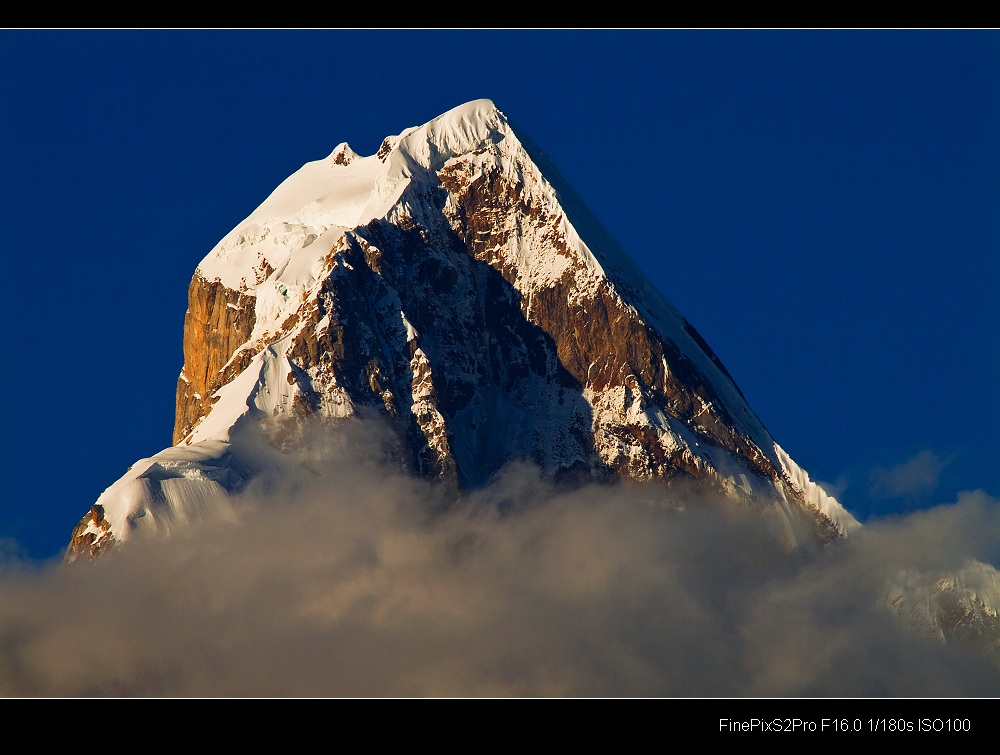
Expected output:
{"points": [[340, 576]]}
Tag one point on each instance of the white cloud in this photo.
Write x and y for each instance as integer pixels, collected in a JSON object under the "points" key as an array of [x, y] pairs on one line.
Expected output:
{"points": [[362, 581], [913, 477]]}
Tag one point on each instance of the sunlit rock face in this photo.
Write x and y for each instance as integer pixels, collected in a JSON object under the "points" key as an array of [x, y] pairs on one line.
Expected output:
{"points": [[452, 285]]}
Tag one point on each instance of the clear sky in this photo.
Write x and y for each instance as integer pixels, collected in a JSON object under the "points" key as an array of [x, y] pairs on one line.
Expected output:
{"points": [[823, 206]]}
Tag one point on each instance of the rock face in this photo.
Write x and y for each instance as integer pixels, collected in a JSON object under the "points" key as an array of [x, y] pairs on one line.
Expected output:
{"points": [[218, 321], [92, 535], [452, 284]]}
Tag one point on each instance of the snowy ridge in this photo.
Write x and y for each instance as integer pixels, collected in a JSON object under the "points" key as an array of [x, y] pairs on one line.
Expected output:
{"points": [[344, 190], [263, 387], [815, 494], [184, 482], [177, 485]]}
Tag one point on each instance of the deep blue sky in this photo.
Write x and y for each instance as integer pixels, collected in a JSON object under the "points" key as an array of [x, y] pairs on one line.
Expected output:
{"points": [[823, 206]]}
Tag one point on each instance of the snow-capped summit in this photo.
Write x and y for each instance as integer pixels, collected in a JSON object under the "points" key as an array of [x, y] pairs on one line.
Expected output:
{"points": [[453, 285]]}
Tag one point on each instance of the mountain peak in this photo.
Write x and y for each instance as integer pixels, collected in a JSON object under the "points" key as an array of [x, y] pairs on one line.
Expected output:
{"points": [[453, 286]]}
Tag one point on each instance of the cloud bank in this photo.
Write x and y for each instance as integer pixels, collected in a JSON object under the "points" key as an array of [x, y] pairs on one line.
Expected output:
{"points": [[357, 580]]}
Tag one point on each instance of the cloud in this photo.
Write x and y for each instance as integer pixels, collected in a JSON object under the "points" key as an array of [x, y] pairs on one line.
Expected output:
{"points": [[913, 477], [363, 581]]}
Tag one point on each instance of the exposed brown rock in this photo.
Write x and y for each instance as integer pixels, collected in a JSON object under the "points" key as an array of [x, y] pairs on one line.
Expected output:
{"points": [[218, 321], [91, 537], [385, 148], [600, 341], [341, 158]]}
